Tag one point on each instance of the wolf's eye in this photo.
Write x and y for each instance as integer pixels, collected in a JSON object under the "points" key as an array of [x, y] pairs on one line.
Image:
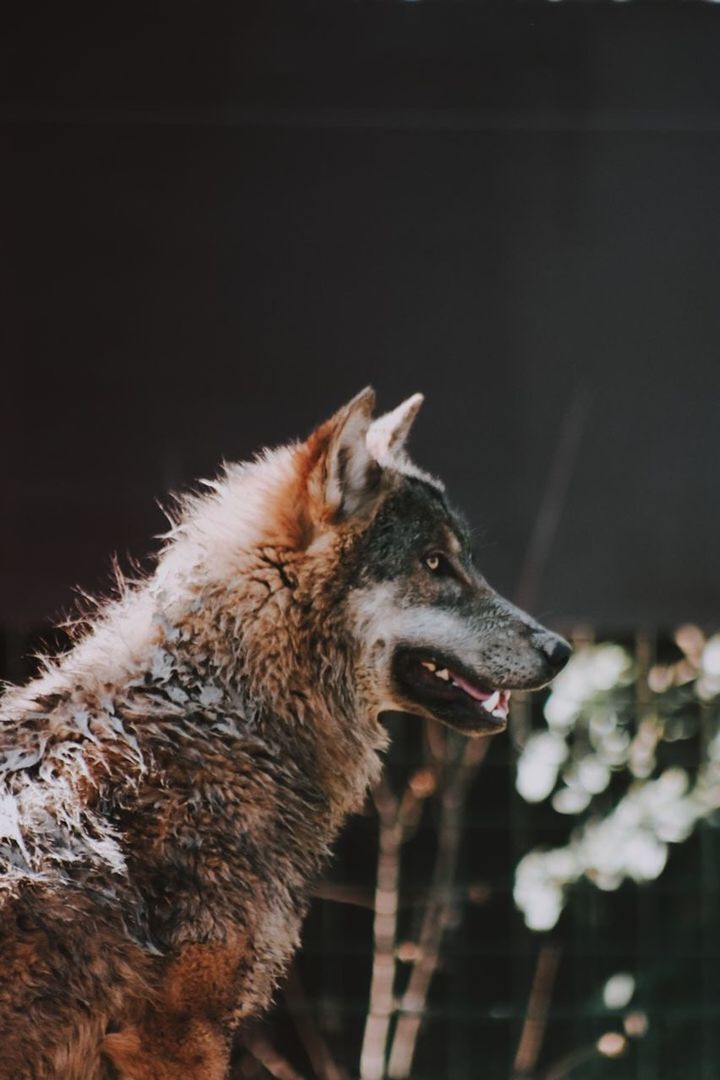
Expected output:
{"points": [[438, 563]]}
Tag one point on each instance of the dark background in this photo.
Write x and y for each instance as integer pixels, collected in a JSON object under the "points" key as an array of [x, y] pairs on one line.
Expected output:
{"points": [[220, 222]]}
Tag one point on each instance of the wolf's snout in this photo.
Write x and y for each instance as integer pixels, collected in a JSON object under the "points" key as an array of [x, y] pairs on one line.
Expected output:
{"points": [[555, 650]]}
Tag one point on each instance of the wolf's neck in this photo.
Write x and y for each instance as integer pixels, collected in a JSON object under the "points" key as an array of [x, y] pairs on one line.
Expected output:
{"points": [[263, 652], [251, 654]]}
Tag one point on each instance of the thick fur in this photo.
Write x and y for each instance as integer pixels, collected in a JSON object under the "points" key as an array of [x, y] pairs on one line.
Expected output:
{"points": [[170, 786]]}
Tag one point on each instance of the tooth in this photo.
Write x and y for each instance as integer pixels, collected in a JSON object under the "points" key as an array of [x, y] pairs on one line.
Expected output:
{"points": [[444, 674], [490, 704], [428, 664], [503, 706]]}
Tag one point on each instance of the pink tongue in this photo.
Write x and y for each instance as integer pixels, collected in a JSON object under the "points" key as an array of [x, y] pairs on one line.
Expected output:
{"points": [[468, 687]]}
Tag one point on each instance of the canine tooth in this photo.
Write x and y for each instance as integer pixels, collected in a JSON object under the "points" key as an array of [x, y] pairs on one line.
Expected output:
{"points": [[444, 674], [428, 664], [490, 704]]}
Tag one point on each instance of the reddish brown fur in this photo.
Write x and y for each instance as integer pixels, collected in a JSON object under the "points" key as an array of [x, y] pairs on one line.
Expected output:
{"points": [[185, 1033]]}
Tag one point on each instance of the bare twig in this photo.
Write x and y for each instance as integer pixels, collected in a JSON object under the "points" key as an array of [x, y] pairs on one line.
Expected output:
{"points": [[336, 892], [344, 894], [567, 1064], [533, 1031], [439, 907], [316, 1048], [247, 1068], [269, 1057], [372, 1057]]}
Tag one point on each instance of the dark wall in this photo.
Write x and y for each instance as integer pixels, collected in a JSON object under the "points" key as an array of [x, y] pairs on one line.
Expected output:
{"points": [[218, 228]]}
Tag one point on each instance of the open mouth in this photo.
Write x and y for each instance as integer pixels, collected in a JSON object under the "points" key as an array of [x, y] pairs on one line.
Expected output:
{"points": [[447, 689]]}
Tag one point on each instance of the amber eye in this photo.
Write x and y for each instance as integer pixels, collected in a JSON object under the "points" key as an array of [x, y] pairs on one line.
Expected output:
{"points": [[439, 564]]}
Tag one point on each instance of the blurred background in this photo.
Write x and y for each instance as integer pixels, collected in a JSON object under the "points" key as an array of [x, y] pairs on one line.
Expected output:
{"points": [[220, 222]]}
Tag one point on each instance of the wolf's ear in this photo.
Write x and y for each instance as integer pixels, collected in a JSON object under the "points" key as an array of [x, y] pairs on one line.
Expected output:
{"points": [[387, 435], [344, 476]]}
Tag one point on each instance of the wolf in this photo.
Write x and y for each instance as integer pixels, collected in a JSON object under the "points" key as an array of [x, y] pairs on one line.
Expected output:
{"points": [[171, 785]]}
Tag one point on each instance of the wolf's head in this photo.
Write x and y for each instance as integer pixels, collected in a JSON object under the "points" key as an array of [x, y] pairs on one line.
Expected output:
{"points": [[430, 636]]}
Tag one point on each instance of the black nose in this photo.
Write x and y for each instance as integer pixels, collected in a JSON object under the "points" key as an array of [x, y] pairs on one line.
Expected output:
{"points": [[557, 651]]}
